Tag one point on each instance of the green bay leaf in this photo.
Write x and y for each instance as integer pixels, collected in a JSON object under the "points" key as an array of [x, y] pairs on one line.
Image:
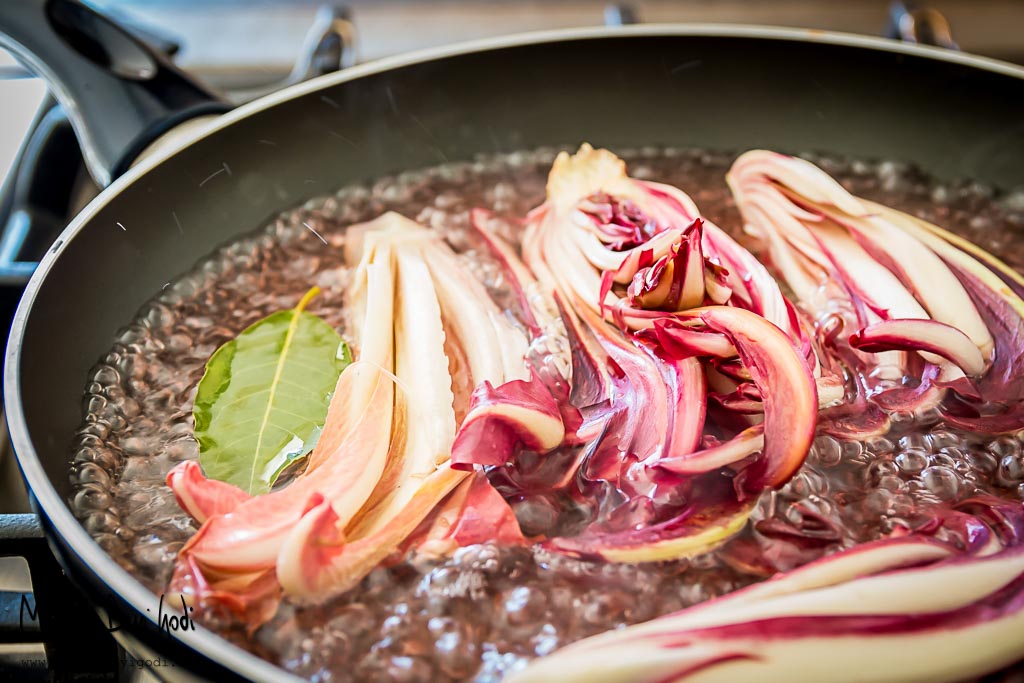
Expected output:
{"points": [[264, 396]]}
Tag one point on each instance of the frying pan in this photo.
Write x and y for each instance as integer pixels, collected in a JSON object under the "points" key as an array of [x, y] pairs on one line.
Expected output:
{"points": [[718, 87]]}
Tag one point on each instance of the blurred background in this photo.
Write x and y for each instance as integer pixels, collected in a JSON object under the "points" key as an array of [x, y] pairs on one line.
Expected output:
{"points": [[247, 47], [218, 34]]}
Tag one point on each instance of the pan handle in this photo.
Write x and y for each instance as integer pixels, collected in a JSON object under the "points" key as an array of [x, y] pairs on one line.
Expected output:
{"points": [[119, 94], [915, 24]]}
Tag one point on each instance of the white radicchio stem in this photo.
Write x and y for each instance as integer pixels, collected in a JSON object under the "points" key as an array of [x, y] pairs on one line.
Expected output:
{"points": [[899, 610], [892, 296]]}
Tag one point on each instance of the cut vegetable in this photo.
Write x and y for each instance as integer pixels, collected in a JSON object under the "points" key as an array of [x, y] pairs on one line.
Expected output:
{"points": [[382, 464], [652, 295], [905, 609], [895, 287]]}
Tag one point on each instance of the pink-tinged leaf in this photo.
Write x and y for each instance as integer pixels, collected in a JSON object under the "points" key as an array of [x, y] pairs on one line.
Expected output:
{"points": [[980, 525], [318, 560], [200, 497], [591, 382], [536, 308], [741, 446], [688, 292], [646, 399], [687, 394], [729, 366], [831, 390], [788, 388], [249, 598], [856, 420], [658, 407], [473, 513], [711, 518], [247, 539], [779, 545], [716, 282], [921, 335], [1003, 385], [915, 249], [761, 293], [814, 226], [248, 595], [745, 400], [651, 286], [632, 262], [677, 340], [619, 223], [501, 421], [927, 394], [866, 278], [1005, 519], [516, 273], [676, 281]]}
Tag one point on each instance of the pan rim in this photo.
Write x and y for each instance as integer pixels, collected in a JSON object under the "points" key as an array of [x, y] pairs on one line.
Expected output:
{"points": [[46, 497]]}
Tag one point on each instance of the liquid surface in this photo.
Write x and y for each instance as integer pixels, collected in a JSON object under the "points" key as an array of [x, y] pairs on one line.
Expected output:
{"points": [[488, 610]]}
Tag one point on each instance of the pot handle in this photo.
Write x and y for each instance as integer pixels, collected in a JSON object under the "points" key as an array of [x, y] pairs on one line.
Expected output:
{"points": [[915, 24], [119, 94], [78, 645]]}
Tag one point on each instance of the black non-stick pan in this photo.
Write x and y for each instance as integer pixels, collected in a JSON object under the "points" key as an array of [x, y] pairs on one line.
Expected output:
{"points": [[719, 87]]}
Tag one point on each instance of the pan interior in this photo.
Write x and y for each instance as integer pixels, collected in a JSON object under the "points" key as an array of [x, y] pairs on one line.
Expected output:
{"points": [[139, 425], [625, 92]]}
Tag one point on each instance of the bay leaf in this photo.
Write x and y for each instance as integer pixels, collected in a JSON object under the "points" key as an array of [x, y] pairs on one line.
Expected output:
{"points": [[264, 396]]}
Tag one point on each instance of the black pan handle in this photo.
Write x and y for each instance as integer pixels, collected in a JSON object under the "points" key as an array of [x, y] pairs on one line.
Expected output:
{"points": [[36, 199], [120, 94]]}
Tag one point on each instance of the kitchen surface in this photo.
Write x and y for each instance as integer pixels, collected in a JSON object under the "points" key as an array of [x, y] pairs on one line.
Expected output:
{"points": [[248, 48]]}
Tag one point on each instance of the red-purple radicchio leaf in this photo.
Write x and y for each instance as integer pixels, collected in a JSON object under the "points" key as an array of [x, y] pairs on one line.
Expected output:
{"points": [[503, 419], [788, 390]]}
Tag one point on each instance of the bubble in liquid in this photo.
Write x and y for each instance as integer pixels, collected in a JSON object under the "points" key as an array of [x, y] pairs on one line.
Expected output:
{"points": [[912, 461], [604, 607], [878, 502], [941, 481], [1011, 470], [879, 445], [1005, 446], [982, 462], [456, 651], [827, 451], [522, 605], [160, 357]]}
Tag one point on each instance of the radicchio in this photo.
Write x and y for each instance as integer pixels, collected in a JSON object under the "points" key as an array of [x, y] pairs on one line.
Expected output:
{"points": [[907, 608], [654, 296], [891, 296]]}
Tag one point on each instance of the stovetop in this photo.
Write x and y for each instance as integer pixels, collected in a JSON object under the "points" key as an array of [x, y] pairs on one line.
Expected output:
{"points": [[249, 48]]}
